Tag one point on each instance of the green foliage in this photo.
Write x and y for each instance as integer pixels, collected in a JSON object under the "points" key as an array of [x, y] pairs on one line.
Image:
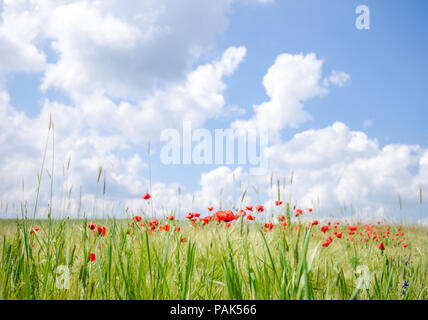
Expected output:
{"points": [[212, 263]]}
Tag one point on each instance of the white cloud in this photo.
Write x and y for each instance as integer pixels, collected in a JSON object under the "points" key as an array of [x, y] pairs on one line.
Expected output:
{"points": [[22, 142], [18, 31], [199, 98], [334, 167], [290, 81], [127, 49], [337, 165], [338, 78], [220, 185], [97, 132], [128, 68]]}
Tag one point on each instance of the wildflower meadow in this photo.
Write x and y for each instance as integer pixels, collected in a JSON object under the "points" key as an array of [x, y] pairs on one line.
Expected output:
{"points": [[205, 158], [216, 254]]}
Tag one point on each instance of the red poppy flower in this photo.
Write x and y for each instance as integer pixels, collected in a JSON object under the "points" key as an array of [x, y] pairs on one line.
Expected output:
{"points": [[310, 209], [101, 231], [137, 218], [315, 222], [91, 225], [153, 223], [34, 230], [92, 257], [325, 243], [189, 215], [339, 235], [172, 218], [146, 196], [210, 208], [241, 213], [221, 215], [230, 216], [206, 220], [183, 240], [177, 229], [404, 245], [280, 217], [278, 203], [165, 227], [225, 215], [249, 208], [269, 225], [260, 208], [250, 217], [324, 229], [381, 246]]}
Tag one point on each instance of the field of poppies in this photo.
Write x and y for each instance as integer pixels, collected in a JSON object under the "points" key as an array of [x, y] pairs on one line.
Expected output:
{"points": [[243, 253]]}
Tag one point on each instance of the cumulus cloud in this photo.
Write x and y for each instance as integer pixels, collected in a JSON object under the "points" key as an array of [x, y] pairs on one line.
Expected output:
{"points": [[99, 132], [124, 62], [224, 193], [334, 169], [22, 144], [130, 69], [125, 49], [290, 81], [332, 166], [336, 166], [18, 32], [199, 98]]}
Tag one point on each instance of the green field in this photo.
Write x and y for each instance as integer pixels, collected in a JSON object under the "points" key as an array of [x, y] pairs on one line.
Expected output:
{"points": [[209, 261]]}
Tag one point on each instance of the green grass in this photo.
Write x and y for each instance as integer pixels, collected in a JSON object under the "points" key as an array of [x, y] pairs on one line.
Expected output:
{"points": [[213, 262]]}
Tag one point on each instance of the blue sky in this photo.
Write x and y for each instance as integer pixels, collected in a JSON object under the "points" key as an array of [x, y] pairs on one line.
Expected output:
{"points": [[385, 97], [387, 63]]}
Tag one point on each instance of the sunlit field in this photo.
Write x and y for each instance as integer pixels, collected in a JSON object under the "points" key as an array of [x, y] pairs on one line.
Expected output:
{"points": [[218, 254], [213, 158], [247, 251]]}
